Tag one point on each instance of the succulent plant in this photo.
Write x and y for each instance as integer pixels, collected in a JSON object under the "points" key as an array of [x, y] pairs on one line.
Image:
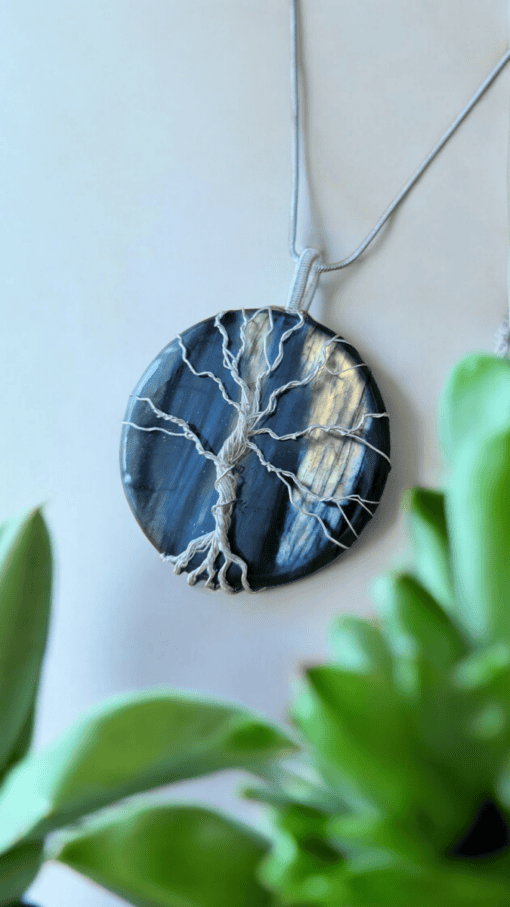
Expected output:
{"points": [[400, 794]]}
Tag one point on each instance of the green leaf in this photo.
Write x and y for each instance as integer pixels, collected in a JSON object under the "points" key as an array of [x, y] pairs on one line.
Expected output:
{"points": [[503, 784], [18, 869], [23, 742], [359, 645], [483, 667], [126, 745], [25, 599], [475, 401], [478, 511], [294, 782], [415, 623], [427, 518], [171, 856], [302, 864], [365, 748], [407, 884], [428, 646], [483, 682], [400, 835]]}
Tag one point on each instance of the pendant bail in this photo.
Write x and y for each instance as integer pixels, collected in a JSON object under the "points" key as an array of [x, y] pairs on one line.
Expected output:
{"points": [[304, 284]]}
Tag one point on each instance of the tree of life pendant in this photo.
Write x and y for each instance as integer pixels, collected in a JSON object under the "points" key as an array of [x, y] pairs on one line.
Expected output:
{"points": [[255, 448]]}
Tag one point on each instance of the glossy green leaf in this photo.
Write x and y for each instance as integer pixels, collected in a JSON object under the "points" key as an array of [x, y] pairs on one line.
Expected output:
{"points": [[25, 598], [405, 835], [490, 723], [483, 667], [294, 782], [427, 647], [364, 744], [483, 682], [302, 864], [171, 856], [427, 518], [442, 716], [126, 745], [18, 869], [22, 745], [415, 623], [478, 511], [359, 645], [475, 401]]}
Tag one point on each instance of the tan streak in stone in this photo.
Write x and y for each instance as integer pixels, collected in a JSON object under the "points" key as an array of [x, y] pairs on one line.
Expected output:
{"points": [[332, 461]]}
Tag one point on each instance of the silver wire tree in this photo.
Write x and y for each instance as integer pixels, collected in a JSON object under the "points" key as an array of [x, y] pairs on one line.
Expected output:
{"points": [[251, 367]]}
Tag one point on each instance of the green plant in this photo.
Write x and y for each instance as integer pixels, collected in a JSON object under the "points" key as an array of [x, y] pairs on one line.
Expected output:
{"points": [[401, 792], [127, 745]]}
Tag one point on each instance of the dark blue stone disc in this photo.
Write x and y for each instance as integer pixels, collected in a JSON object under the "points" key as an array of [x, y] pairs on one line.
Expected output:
{"points": [[208, 465]]}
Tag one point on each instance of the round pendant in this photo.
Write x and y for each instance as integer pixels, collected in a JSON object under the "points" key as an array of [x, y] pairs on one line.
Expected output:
{"points": [[255, 449]]}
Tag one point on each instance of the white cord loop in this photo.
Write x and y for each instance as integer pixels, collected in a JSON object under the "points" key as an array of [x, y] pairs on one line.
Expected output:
{"points": [[306, 278]]}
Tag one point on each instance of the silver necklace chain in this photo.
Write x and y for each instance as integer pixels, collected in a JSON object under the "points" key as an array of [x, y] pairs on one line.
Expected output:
{"points": [[311, 266]]}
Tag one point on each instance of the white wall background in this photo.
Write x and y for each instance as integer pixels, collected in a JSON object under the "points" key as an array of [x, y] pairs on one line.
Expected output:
{"points": [[145, 179]]}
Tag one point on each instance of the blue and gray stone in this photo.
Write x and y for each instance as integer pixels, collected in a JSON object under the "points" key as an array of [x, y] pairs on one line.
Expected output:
{"points": [[255, 448]]}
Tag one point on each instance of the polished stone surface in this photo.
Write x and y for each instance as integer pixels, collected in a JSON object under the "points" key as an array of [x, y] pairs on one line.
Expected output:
{"points": [[230, 458]]}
